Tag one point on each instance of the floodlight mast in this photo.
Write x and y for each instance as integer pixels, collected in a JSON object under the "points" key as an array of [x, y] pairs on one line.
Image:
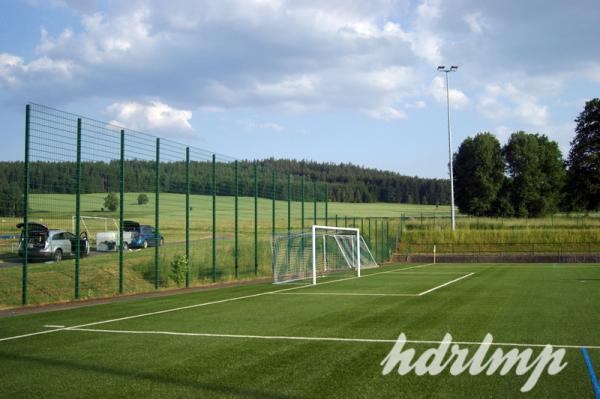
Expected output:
{"points": [[453, 68]]}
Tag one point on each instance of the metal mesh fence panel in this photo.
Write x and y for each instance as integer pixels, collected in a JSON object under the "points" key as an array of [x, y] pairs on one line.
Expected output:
{"points": [[111, 210]]}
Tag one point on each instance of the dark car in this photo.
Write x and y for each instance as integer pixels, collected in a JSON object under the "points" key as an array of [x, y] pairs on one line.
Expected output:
{"points": [[142, 235], [45, 243]]}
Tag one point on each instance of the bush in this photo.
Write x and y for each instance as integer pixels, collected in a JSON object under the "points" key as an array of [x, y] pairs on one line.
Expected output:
{"points": [[179, 269], [142, 199], [111, 202]]}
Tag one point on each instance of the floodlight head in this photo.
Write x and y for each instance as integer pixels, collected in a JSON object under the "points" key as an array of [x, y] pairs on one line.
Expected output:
{"points": [[454, 67], [441, 68]]}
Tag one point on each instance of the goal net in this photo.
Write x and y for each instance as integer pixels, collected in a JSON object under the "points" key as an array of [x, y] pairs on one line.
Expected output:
{"points": [[303, 257]]}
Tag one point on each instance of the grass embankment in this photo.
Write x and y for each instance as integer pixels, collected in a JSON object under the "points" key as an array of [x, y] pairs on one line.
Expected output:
{"points": [[564, 234]]}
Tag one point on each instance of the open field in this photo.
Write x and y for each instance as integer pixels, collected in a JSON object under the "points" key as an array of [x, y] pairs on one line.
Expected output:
{"points": [[265, 341]]}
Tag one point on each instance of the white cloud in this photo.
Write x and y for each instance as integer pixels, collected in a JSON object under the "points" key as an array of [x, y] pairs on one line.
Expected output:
{"points": [[437, 89], [502, 101], [252, 125], [387, 113], [476, 22], [154, 116]]}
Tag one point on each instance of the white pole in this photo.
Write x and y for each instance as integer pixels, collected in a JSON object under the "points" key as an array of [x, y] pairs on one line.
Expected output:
{"points": [[358, 249], [314, 255], [434, 254], [324, 254], [450, 153]]}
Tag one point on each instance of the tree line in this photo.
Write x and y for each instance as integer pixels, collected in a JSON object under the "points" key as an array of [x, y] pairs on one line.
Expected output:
{"points": [[528, 176], [340, 182]]}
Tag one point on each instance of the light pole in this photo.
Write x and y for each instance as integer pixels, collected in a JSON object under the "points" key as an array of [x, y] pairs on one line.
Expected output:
{"points": [[453, 68]]}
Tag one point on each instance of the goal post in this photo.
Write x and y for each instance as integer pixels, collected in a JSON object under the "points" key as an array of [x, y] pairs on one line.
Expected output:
{"points": [[323, 250], [316, 228]]}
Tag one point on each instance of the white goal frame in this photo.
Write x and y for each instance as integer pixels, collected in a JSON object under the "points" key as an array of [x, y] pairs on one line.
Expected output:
{"points": [[314, 246]]}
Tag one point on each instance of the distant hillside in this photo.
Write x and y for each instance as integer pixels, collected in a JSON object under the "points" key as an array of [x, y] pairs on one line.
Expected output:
{"points": [[346, 182], [351, 183]]}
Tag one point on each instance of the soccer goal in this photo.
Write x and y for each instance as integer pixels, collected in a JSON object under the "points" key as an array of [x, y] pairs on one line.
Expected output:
{"points": [[303, 257]]}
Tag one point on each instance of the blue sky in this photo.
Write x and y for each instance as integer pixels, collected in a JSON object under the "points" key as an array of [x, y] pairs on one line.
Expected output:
{"points": [[335, 81]]}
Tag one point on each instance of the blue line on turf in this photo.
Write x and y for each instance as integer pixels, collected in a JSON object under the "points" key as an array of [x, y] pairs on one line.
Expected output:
{"points": [[591, 372]]}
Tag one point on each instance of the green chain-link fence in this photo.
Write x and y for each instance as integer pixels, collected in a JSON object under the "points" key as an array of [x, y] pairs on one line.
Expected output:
{"points": [[109, 211]]}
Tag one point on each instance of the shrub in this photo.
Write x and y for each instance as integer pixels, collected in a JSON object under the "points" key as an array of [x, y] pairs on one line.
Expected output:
{"points": [[111, 202], [179, 269], [142, 199]]}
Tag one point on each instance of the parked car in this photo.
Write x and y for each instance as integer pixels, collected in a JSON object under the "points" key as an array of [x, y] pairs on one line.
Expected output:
{"points": [[45, 243], [143, 235]]}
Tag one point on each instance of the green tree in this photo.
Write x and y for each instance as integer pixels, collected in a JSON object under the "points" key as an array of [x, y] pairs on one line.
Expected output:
{"points": [[583, 178], [537, 173], [111, 202], [142, 199], [11, 199], [478, 174]]}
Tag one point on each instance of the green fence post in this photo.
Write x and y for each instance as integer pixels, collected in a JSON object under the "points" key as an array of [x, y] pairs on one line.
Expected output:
{"points": [[345, 221], [235, 223], [336, 220], [121, 211], [214, 218], [78, 211], [302, 202], [362, 227], [376, 243], [370, 241], [289, 192], [25, 241], [255, 218], [326, 204], [289, 210], [157, 217], [387, 238], [273, 222], [273, 207], [187, 216], [314, 202]]}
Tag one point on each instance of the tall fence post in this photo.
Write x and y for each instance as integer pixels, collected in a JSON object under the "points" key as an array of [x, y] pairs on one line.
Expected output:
{"points": [[235, 223], [214, 218], [336, 220], [314, 202], [78, 211], [302, 202], [273, 206], [273, 222], [25, 242], [255, 218], [157, 217], [326, 204], [376, 243], [121, 211], [187, 216], [289, 198]]}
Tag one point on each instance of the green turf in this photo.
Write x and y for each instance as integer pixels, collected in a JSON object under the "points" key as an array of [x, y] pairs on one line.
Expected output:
{"points": [[516, 303]]}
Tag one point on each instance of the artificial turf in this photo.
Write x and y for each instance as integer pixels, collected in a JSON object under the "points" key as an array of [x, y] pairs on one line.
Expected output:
{"points": [[249, 356]]}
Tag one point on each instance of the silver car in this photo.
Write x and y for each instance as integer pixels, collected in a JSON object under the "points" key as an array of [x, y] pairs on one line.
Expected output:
{"points": [[44, 243]]}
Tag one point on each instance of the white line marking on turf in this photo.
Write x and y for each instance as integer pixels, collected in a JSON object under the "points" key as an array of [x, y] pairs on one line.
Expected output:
{"points": [[53, 326], [445, 284], [190, 306], [334, 339], [341, 294]]}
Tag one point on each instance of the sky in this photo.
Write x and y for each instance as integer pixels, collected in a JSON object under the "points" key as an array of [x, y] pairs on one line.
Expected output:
{"points": [[333, 81]]}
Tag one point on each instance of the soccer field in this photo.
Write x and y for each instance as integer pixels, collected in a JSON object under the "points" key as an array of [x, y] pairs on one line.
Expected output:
{"points": [[302, 341]]}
